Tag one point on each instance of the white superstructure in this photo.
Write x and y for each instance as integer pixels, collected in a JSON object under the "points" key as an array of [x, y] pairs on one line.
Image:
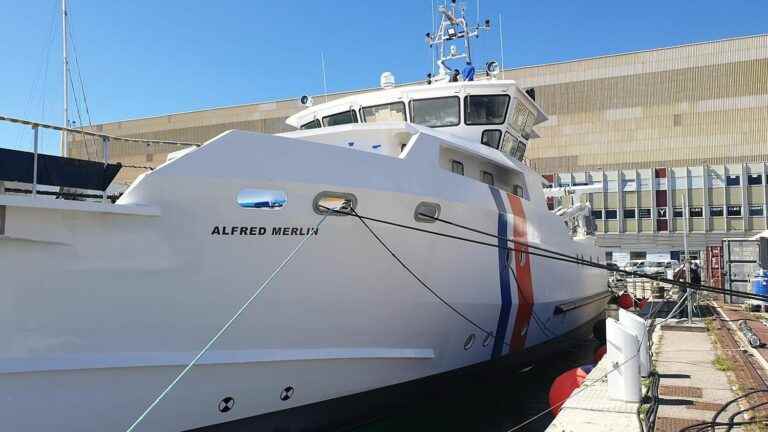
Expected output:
{"points": [[103, 304]]}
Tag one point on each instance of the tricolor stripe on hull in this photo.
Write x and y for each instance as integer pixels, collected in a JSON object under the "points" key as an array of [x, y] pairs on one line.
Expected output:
{"points": [[525, 298], [523, 272], [506, 292]]}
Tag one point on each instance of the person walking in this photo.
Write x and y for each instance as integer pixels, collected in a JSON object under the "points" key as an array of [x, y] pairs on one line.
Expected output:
{"points": [[681, 275]]}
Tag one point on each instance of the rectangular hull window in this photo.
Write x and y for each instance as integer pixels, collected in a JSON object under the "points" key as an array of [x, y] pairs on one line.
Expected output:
{"points": [[457, 167], [261, 199], [488, 178]]}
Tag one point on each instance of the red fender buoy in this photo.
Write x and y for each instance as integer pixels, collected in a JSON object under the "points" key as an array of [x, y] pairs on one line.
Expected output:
{"points": [[600, 352], [626, 301], [565, 384], [641, 303]]}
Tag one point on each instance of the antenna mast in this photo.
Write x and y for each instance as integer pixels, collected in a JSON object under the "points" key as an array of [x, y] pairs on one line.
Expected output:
{"points": [[453, 26], [66, 77]]}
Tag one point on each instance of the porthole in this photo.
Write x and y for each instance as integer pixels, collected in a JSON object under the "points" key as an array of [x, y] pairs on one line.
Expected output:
{"points": [[469, 341], [262, 199], [426, 212], [487, 339], [342, 202]]}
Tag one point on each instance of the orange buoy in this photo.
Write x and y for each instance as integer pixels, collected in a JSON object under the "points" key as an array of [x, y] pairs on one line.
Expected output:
{"points": [[626, 301], [565, 384], [600, 352]]}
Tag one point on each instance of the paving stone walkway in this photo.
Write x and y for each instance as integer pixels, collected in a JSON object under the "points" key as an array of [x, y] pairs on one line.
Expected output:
{"points": [[691, 389]]}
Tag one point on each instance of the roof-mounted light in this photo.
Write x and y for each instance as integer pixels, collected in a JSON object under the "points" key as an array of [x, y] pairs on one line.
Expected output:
{"points": [[492, 68], [387, 80], [306, 101]]}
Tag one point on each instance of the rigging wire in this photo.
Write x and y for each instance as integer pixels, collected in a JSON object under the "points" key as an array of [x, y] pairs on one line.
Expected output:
{"points": [[45, 52], [79, 117], [577, 261], [586, 385], [353, 212], [82, 87], [415, 276], [558, 256], [228, 324]]}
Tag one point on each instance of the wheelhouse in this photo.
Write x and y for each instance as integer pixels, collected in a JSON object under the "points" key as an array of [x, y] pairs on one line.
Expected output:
{"points": [[495, 114]]}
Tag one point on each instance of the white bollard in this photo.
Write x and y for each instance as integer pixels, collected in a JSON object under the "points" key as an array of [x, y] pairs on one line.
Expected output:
{"points": [[624, 363], [639, 327]]}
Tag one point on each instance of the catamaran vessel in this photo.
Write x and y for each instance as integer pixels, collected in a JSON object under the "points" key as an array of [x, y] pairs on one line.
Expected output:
{"points": [[104, 303]]}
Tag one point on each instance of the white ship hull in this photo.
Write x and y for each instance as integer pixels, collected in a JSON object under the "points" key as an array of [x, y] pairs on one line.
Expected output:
{"points": [[102, 305]]}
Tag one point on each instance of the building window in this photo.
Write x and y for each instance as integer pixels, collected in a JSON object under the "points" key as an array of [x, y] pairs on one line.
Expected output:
{"points": [[436, 112], [457, 167], [756, 210], [629, 213], [755, 179], [733, 180], [662, 225], [491, 138], [597, 214], [645, 213], [611, 214], [695, 212], [715, 211], [636, 256], [677, 212], [487, 178], [734, 210]]}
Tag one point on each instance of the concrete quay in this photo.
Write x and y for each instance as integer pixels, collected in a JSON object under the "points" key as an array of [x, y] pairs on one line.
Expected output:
{"points": [[698, 371]]}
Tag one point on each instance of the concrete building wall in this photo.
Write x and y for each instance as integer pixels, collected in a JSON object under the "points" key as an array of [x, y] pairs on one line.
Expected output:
{"points": [[688, 105]]}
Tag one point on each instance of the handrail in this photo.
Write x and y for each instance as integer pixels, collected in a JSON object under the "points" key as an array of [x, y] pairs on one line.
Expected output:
{"points": [[102, 136], [105, 140]]}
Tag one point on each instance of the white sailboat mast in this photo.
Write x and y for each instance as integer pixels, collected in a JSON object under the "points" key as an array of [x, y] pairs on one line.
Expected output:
{"points": [[66, 76]]}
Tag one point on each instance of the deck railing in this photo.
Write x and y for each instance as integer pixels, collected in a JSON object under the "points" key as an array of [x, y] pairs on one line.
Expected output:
{"points": [[105, 143]]}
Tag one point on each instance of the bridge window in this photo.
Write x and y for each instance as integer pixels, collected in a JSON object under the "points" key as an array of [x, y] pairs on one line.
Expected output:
{"points": [[394, 112], [522, 119], [509, 144], [485, 109], [436, 112], [491, 138], [314, 124], [341, 118]]}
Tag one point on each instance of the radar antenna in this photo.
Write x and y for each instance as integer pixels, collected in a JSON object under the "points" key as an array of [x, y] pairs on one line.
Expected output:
{"points": [[453, 27]]}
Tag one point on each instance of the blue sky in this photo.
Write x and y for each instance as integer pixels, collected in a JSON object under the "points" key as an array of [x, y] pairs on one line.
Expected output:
{"points": [[142, 58]]}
